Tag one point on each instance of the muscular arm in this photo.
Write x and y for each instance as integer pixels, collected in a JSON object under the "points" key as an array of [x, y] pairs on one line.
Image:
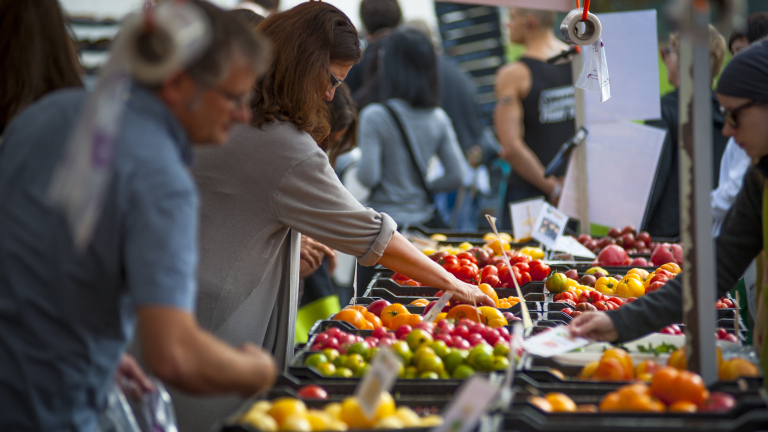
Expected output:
{"points": [[180, 353], [403, 257], [512, 85]]}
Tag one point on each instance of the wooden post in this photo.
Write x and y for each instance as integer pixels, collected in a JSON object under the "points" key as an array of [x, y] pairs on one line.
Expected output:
{"points": [[580, 120], [695, 159]]}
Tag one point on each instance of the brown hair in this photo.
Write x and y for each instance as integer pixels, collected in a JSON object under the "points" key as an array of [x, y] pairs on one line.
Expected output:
{"points": [[38, 54], [716, 50], [306, 40], [343, 116]]}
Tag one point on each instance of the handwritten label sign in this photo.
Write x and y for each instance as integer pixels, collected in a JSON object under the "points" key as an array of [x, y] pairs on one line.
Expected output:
{"points": [[438, 307], [385, 369], [472, 401], [549, 226], [524, 215], [554, 342]]}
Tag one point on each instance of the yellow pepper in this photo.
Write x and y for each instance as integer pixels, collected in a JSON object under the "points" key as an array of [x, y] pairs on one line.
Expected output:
{"points": [[606, 285], [630, 287], [492, 316], [533, 252]]}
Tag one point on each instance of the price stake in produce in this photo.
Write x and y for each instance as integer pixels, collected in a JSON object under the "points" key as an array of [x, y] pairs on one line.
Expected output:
{"points": [[385, 369], [437, 308], [523, 307], [472, 401]]}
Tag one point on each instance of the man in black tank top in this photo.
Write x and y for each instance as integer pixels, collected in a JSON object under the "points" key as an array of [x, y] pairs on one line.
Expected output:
{"points": [[534, 110]]}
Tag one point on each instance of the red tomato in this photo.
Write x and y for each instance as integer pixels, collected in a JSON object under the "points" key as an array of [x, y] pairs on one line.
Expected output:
{"points": [[312, 392], [669, 275], [535, 263], [518, 276], [489, 271], [452, 266], [567, 301], [410, 282], [447, 258], [467, 256], [505, 275], [481, 255], [495, 261], [519, 258], [464, 262], [525, 278], [524, 267], [631, 299], [566, 296], [492, 280], [591, 297], [467, 273], [539, 272], [602, 306], [616, 300], [654, 286], [567, 311], [399, 278], [659, 278], [728, 303]]}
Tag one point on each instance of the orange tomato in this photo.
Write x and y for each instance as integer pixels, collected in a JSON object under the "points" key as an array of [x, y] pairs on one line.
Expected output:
{"points": [[640, 272], [609, 369], [677, 360], [403, 319], [690, 387], [390, 312], [503, 305], [611, 402], [420, 302], [440, 317], [735, 368], [648, 367], [671, 267], [465, 311], [359, 308], [489, 291], [623, 357], [353, 317], [588, 371], [560, 402], [663, 383], [683, 406], [373, 319]]}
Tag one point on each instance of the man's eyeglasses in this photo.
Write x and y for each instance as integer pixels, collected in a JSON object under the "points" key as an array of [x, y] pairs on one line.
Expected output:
{"points": [[335, 82], [731, 116], [238, 101]]}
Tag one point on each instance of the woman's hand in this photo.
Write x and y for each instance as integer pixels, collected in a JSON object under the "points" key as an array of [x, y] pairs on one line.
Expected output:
{"points": [[597, 326], [313, 252], [469, 294], [132, 379]]}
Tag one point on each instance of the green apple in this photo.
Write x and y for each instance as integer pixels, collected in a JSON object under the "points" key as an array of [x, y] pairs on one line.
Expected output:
{"points": [[462, 371], [500, 363], [429, 375], [371, 353], [481, 357], [421, 352], [417, 338], [401, 349], [359, 348], [362, 371], [431, 363], [340, 361], [501, 350], [315, 359], [453, 360], [440, 348], [331, 353], [326, 369], [410, 372], [354, 362], [343, 372]]}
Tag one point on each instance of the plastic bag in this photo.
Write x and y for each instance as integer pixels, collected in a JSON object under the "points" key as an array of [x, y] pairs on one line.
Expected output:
{"points": [[594, 72], [157, 409], [117, 416]]}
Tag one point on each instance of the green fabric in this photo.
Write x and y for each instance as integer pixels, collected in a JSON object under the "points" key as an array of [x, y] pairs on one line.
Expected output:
{"points": [[309, 314]]}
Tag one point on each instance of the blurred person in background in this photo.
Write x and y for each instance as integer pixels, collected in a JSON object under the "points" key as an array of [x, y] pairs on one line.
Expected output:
{"points": [[379, 18], [263, 8], [270, 185], [534, 108], [742, 91], [399, 137], [39, 56], [663, 212], [66, 318], [247, 16]]}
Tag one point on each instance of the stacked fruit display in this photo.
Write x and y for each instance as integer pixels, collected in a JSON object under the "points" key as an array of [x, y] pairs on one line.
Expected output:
{"points": [[614, 249], [290, 414], [632, 285], [627, 238], [429, 351]]}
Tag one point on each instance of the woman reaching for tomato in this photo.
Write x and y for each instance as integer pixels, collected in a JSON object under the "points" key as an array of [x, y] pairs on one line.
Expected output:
{"points": [[743, 94], [272, 181]]}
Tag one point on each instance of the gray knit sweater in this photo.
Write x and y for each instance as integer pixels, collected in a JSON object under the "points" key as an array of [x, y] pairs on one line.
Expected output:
{"points": [[386, 168]]}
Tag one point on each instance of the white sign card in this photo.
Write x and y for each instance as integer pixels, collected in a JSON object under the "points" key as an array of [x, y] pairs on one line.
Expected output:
{"points": [[549, 226], [571, 246], [524, 215], [621, 162], [385, 369], [553, 342], [472, 401], [632, 53]]}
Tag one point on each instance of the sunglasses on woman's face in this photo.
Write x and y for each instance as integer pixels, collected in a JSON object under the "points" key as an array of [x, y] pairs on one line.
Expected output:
{"points": [[335, 82], [732, 116]]}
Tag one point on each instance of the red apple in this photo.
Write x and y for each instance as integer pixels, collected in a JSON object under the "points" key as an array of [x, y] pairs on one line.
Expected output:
{"points": [[504, 333], [718, 402], [377, 306], [403, 330], [386, 342], [475, 339], [379, 332], [721, 333], [462, 331]]}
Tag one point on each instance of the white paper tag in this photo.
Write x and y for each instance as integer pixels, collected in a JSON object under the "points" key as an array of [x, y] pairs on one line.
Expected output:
{"points": [[523, 215], [354, 286], [385, 369], [549, 226], [472, 401], [571, 246], [554, 342], [438, 307]]}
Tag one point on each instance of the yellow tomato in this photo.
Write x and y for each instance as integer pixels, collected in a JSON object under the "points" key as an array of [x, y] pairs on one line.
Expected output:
{"points": [[494, 245], [441, 316], [630, 287], [286, 406], [572, 283], [533, 252], [492, 316], [464, 246], [640, 272], [438, 237], [428, 252], [489, 236]]}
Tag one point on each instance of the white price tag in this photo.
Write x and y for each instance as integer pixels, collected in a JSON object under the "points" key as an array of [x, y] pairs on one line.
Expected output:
{"points": [[523, 214], [572, 247], [472, 401], [438, 307], [549, 226], [554, 342], [385, 369], [514, 344]]}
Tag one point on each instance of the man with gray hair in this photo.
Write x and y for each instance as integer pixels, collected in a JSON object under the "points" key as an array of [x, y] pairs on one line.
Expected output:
{"points": [[66, 317], [534, 109]]}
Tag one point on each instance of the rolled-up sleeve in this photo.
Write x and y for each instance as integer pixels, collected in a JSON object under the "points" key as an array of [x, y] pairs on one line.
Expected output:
{"points": [[312, 200]]}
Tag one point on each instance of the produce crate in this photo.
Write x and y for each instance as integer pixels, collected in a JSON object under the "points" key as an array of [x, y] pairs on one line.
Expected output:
{"points": [[475, 237], [407, 294], [383, 281]]}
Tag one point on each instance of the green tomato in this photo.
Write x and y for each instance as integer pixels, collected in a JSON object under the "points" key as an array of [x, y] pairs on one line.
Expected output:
{"points": [[462, 371], [326, 369], [315, 359], [429, 375], [557, 283], [340, 361], [500, 363], [331, 353], [343, 372], [452, 360]]}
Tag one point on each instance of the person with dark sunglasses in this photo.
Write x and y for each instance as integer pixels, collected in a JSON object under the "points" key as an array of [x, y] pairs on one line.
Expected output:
{"points": [[742, 89]]}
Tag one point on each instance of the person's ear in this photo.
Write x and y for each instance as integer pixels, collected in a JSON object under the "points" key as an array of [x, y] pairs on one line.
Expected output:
{"points": [[178, 89], [530, 22]]}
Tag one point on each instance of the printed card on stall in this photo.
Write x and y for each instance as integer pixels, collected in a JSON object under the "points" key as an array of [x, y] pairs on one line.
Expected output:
{"points": [[554, 342], [549, 226], [472, 401], [385, 369], [524, 215], [438, 307]]}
